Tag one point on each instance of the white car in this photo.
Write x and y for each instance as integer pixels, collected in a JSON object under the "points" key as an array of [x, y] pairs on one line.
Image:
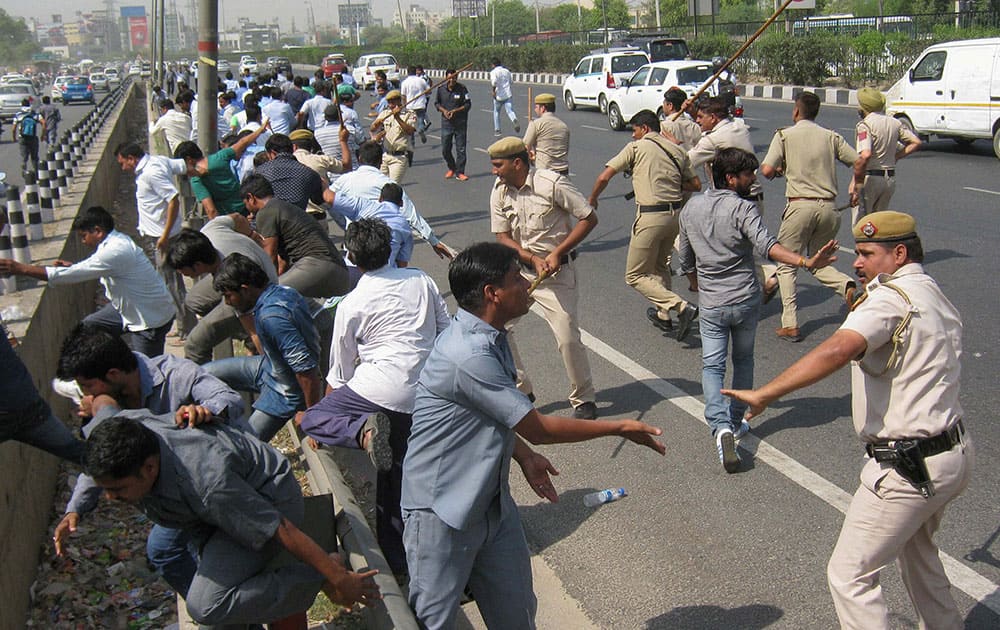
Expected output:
{"points": [[248, 64], [57, 86], [597, 74], [366, 65], [645, 88]]}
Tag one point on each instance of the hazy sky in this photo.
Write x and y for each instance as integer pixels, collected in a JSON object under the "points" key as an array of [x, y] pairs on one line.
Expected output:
{"points": [[230, 10]]}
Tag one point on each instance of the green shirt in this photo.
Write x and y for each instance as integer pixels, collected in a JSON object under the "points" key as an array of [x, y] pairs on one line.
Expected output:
{"points": [[220, 184]]}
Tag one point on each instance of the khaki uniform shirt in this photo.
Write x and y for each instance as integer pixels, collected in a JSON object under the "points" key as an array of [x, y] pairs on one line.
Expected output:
{"points": [[655, 177], [684, 129], [319, 162], [550, 138], [807, 153], [918, 396], [881, 135], [540, 215], [395, 138]]}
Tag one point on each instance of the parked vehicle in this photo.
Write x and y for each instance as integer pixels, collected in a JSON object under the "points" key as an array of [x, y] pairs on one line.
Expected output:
{"points": [[597, 74], [645, 88], [660, 47], [334, 63], [952, 91], [146, 69], [78, 89], [282, 64], [364, 69], [11, 96]]}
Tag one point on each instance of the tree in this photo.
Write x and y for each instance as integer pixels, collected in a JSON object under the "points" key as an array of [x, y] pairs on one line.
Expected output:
{"points": [[618, 14], [16, 42], [564, 17], [672, 13], [375, 36]]}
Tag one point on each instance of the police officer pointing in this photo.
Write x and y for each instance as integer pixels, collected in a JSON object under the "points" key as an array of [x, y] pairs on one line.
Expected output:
{"points": [[904, 343]]}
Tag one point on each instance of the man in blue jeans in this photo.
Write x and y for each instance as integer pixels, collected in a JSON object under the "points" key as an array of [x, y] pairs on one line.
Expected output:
{"points": [[101, 363], [286, 373], [720, 231]]}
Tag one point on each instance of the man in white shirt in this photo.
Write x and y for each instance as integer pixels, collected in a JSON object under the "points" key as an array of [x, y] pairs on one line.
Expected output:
{"points": [[328, 136], [349, 117], [416, 91], [500, 79], [379, 347], [157, 201], [140, 307], [176, 125], [367, 183], [279, 113], [313, 110]]}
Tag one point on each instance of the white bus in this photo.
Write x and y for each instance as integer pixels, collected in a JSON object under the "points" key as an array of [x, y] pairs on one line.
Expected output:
{"points": [[848, 24]]}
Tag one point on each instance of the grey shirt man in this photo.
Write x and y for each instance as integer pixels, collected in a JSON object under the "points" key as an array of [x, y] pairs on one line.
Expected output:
{"points": [[167, 383], [726, 231]]}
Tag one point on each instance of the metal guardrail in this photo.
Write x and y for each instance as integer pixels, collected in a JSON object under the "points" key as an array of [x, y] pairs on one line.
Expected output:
{"points": [[357, 539]]}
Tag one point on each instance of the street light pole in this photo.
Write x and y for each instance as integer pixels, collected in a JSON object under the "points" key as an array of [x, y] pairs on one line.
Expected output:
{"points": [[208, 75]]}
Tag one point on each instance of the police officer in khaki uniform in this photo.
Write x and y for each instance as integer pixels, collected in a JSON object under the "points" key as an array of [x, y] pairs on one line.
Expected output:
{"points": [[399, 125], [682, 130], [661, 173], [806, 154], [879, 139], [547, 137], [904, 343], [533, 212]]}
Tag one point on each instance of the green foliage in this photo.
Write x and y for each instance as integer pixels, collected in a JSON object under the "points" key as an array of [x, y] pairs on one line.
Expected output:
{"points": [[16, 43], [617, 11], [799, 60], [712, 46], [564, 17]]}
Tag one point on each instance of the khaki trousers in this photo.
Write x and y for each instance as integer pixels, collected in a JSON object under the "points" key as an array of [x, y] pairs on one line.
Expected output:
{"points": [[889, 519], [875, 196], [557, 296], [394, 167], [806, 226], [647, 266]]}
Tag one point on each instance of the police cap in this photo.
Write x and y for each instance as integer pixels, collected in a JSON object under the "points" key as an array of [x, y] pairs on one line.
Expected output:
{"points": [[300, 134], [545, 99], [885, 227], [506, 148]]}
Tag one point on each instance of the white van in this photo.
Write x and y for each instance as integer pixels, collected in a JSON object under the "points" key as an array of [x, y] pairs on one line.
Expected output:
{"points": [[952, 91]]}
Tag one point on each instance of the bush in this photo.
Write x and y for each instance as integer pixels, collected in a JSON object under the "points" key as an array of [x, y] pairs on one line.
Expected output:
{"points": [[798, 60]]}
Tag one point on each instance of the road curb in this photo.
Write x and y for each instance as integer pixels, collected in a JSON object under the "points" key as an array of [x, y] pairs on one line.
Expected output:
{"points": [[836, 96]]}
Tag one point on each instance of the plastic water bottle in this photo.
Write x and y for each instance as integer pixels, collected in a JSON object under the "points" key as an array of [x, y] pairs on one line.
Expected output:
{"points": [[604, 496]]}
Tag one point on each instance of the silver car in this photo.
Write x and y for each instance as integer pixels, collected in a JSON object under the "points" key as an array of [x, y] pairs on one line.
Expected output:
{"points": [[100, 81], [11, 96]]}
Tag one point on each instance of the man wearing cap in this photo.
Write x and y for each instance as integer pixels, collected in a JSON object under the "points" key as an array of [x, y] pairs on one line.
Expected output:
{"points": [[547, 137], [532, 212], [661, 174], [879, 137], [806, 154], [904, 343], [452, 100], [397, 124]]}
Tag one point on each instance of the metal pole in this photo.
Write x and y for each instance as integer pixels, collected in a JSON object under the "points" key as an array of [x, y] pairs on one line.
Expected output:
{"points": [[208, 74], [161, 42], [152, 44], [657, 4]]}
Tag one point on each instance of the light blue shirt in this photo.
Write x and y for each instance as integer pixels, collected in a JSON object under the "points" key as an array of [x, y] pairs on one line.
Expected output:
{"points": [[462, 439], [367, 183], [354, 208]]}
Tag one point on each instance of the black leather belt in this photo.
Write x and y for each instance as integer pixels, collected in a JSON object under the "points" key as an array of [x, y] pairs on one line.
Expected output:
{"points": [[941, 443], [882, 172], [660, 207]]}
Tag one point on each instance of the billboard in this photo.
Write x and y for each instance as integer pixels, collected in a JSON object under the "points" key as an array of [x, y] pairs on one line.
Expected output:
{"points": [[138, 33]]}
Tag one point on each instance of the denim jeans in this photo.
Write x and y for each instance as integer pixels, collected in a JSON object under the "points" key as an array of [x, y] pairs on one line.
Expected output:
{"points": [[497, 106], [246, 374], [173, 557], [457, 135], [718, 325], [54, 437], [149, 342]]}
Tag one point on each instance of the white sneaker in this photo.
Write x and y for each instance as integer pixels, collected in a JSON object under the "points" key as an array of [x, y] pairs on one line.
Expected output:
{"points": [[68, 389], [726, 445]]}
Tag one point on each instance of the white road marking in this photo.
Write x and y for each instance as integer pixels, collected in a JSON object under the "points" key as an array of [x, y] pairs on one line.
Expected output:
{"points": [[480, 150], [595, 128], [982, 190], [961, 576]]}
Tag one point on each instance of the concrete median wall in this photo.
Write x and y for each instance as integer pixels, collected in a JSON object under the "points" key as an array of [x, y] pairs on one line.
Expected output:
{"points": [[27, 475]]}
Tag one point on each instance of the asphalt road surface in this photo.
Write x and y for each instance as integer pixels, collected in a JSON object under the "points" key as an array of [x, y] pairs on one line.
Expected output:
{"points": [[693, 547]]}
